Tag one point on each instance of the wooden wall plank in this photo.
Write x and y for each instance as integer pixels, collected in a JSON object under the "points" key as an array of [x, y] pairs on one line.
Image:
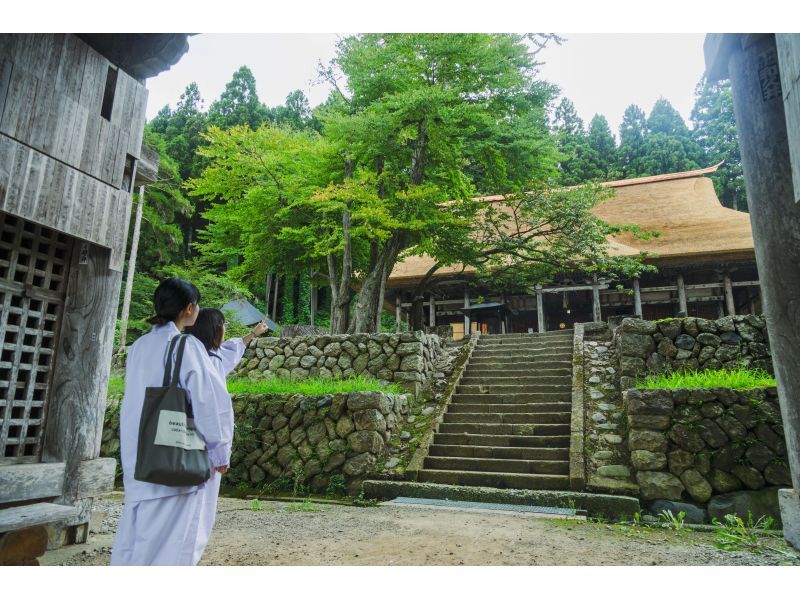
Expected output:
{"points": [[6, 66], [31, 481], [30, 515]]}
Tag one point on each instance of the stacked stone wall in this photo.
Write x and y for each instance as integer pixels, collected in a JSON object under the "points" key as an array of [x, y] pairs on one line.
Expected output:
{"points": [[311, 439], [407, 358], [696, 444], [646, 347]]}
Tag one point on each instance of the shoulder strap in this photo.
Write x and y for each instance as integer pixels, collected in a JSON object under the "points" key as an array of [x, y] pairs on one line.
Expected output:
{"points": [[168, 366], [181, 346]]}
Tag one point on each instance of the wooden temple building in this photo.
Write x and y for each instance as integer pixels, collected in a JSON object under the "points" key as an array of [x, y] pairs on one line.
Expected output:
{"points": [[704, 256], [72, 113]]}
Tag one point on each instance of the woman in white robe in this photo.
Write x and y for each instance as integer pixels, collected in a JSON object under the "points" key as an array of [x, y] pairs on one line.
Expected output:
{"points": [[160, 525], [225, 355]]}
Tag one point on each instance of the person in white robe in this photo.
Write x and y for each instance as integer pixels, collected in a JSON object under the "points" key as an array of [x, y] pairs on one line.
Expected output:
{"points": [[160, 525], [225, 356]]}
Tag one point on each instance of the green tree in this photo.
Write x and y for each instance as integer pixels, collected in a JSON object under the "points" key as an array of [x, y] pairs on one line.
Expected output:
{"points": [[239, 103], [295, 113], [714, 130], [668, 144], [603, 148], [631, 142]]}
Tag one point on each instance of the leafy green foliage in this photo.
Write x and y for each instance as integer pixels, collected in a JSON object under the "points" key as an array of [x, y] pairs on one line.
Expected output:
{"points": [[734, 534], [740, 378], [309, 386], [670, 520]]}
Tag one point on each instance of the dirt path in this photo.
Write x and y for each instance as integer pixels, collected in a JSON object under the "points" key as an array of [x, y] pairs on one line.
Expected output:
{"points": [[287, 534]]}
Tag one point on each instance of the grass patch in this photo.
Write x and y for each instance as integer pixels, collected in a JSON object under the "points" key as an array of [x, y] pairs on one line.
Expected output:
{"points": [[739, 378], [309, 386], [116, 385]]}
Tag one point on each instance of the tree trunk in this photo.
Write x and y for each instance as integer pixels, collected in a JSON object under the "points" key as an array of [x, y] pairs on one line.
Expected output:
{"points": [[340, 285], [369, 296], [267, 293]]}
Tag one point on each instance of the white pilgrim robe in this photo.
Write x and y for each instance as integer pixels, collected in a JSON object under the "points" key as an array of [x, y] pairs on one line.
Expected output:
{"points": [[160, 524], [223, 359]]}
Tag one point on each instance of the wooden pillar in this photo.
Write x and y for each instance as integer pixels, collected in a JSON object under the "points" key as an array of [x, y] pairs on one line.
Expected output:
{"points": [[539, 309], [729, 304], [467, 322], [397, 310], [76, 406], [775, 218], [682, 306], [596, 314], [637, 298], [314, 301], [432, 311], [275, 300], [126, 302]]}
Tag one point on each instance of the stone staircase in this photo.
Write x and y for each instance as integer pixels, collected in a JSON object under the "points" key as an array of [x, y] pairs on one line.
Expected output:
{"points": [[508, 425]]}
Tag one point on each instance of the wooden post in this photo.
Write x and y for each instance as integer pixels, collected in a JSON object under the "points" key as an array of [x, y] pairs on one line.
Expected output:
{"points": [[596, 315], [275, 300], [126, 302], [76, 406], [726, 280], [397, 309], [467, 321], [267, 293], [682, 306], [314, 300], [637, 298], [432, 311], [539, 308], [775, 219]]}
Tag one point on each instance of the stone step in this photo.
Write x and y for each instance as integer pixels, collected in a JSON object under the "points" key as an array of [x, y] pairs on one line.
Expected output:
{"points": [[499, 452], [476, 408], [500, 362], [609, 506], [497, 465], [442, 438], [522, 379], [509, 429], [527, 481], [508, 418], [512, 398], [512, 370], [522, 351], [556, 344], [508, 342], [548, 334], [522, 387]]}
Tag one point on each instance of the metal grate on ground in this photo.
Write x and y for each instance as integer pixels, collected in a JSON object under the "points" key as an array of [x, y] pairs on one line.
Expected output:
{"points": [[459, 504]]}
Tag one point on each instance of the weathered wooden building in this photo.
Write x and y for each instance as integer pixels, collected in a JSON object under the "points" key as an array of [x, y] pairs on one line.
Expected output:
{"points": [[72, 110], [704, 255]]}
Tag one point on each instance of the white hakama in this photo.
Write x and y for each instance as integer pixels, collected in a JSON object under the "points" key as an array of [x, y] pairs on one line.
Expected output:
{"points": [[224, 359], [161, 525]]}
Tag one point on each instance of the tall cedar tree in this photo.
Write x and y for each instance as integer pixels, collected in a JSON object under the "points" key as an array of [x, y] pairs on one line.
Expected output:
{"points": [[715, 131]]}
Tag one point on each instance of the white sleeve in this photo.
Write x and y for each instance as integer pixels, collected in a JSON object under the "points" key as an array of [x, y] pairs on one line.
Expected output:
{"points": [[210, 402], [230, 352]]}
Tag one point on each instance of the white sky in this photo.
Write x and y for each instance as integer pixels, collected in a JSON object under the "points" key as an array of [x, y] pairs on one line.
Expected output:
{"points": [[600, 72]]}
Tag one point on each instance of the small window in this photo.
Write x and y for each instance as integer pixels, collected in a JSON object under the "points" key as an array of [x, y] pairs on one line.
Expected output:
{"points": [[127, 175], [108, 95]]}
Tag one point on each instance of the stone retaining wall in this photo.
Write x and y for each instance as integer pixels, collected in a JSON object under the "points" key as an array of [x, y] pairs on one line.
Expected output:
{"points": [[646, 347], [310, 439], [405, 358], [694, 444]]}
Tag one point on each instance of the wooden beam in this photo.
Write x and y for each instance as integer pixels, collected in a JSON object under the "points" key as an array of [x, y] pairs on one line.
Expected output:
{"points": [[637, 298], [31, 481], [432, 311], [96, 477], [729, 303], [539, 310], [584, 287], [788, 45], [36, 514]]}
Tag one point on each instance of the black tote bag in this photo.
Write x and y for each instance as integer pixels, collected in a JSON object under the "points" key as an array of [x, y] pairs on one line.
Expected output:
{"points": [[170, 451]]}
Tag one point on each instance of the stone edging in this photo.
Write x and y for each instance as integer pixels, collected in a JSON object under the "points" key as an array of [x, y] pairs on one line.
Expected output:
{"points": [[418, 459], [577, 466]]}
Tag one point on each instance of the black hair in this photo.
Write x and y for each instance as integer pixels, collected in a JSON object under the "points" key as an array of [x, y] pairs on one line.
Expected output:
{"points": [[208, 327], [171, 298]]}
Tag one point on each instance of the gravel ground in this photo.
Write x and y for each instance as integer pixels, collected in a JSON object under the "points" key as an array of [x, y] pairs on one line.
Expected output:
{"points": [[288, 534]]}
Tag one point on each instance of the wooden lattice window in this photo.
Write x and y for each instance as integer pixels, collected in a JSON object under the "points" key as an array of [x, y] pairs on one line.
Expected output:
{"points": [[34, 264]]}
